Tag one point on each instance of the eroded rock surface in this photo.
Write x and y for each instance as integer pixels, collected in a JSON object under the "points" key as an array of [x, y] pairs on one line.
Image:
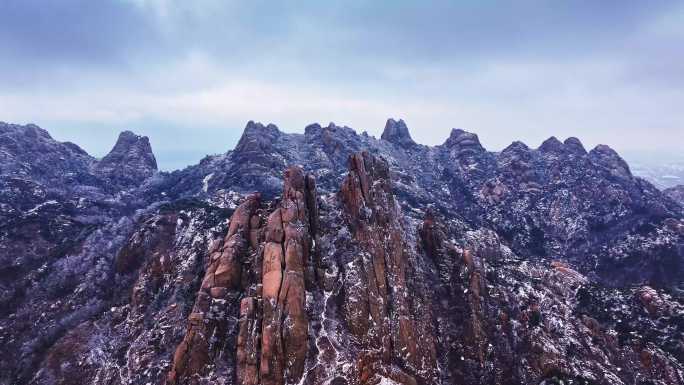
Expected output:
{"points": [[676, 193], [330, 257], [131, 160], [212, 322]]}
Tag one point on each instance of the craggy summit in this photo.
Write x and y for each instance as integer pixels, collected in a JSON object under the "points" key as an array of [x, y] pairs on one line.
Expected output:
{"points": [[332, 257]]}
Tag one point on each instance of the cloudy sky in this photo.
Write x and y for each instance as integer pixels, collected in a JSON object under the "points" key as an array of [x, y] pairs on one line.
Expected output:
{"points": [[190, 74]]}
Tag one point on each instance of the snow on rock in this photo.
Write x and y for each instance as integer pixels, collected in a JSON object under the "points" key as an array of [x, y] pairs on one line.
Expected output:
{"points": [[386, 262]]}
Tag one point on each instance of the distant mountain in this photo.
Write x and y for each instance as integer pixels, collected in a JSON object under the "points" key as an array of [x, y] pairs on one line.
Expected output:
{"points": [[332, 257], [663, 170]]}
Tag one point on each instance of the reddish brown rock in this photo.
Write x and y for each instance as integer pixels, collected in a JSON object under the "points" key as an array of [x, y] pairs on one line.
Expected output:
{"points": [[65, 359], [223, 276], [650, 299], [248, 343], [271, 370], [286, 257], [387, 323]]}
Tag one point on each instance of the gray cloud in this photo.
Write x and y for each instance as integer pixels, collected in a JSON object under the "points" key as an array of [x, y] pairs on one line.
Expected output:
{"points": [[604, 71]]}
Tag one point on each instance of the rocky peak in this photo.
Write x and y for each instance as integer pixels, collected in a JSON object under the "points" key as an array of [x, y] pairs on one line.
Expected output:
{"points": [[316, 130], [257, 137], [574, 145], [340, 131], [551, 144], [29, 130], [463, 144], [336, 142], [375, 220], [268, 292], [441, 265], [396, 132], [28, 150], [605, 156], [312, 129], [130, 146], [516, 147], [29, 135], [462, 138], [676, 193], [515, 155], [130, 161]]}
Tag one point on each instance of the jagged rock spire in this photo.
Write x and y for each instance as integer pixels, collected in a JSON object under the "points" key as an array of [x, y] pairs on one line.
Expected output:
{"points": [[130, 161], [397, 132], [257, 137], [551, 144], [574, 145], [606, 157], [570, 145], [271, 333], [377, 307], [463, 142]]}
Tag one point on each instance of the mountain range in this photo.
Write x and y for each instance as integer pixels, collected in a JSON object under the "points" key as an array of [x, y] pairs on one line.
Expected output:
{"points": [[332, 257]]}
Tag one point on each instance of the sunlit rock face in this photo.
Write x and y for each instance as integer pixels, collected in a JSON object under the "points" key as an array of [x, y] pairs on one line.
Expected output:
{"points": [[332, 257]]}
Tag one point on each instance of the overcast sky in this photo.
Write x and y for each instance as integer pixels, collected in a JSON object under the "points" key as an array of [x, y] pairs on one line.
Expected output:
{"points": [[190, 74]]}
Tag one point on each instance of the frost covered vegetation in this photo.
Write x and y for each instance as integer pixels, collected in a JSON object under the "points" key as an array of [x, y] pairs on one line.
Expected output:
{"points": [[332, 257]]}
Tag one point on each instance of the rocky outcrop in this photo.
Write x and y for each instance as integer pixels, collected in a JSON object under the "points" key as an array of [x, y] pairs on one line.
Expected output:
{"points": [[608, 158], [286, 258], [551, 145], [130, 162], [29, 152], [463, 142], [274, 293], [514, 326], [412, 265], [256, 160], [396, 132], [209, 331], [378, 308], [676, 193], [574, 145]]}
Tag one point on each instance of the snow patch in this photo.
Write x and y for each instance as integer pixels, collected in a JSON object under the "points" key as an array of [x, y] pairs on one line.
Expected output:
{"points": [[205, 182], [38, 206]]}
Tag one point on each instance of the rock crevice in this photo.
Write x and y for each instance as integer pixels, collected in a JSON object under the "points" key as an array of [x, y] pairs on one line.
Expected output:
{"points": [[270, 338]]}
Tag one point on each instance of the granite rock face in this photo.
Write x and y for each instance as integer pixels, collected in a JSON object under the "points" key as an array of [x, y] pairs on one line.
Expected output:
{"points": [[130, 162], [397, 132], [210, 333], [330, 257], [381, 309]]}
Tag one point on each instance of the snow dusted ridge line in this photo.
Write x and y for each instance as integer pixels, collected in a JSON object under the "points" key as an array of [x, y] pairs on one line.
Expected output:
{"points": [[373, 261]]}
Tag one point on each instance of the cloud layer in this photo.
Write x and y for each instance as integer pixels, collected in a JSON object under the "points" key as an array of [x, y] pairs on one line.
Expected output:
{"points": [[190, 74]]}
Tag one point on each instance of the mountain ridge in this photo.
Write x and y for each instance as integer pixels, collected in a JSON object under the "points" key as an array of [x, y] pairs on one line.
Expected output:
{"points": [[499, 250]]}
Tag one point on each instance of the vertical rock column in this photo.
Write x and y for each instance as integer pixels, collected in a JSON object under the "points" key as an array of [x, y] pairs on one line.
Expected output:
{"points": [[292, 296], [371, 324], [463, 286], [388, 325], [286, 258], [248, 342], [208, 326], [271, 365]]}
